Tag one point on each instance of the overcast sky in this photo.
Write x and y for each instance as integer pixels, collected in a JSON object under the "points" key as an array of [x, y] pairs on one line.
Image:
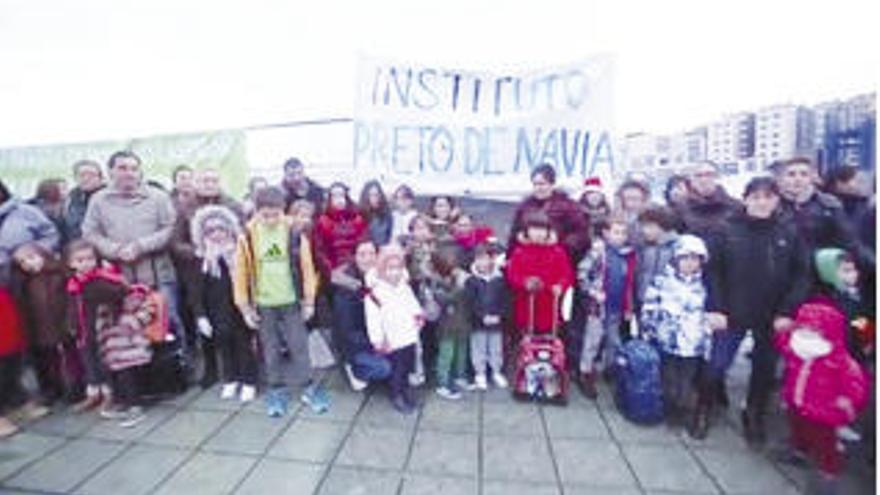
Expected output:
{"points": [[95, 69]]}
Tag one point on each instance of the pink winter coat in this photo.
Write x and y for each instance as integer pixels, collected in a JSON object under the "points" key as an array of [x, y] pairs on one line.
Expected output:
{"points": [[813, 387]]}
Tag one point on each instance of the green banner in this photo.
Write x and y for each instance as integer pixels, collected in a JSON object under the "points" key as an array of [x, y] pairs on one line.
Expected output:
{"points": [[22, 168]]}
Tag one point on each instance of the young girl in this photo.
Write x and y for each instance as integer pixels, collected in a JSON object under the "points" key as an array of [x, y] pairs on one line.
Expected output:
{"points": [[82, 258], [338, 230], [215, 230], [420, 249], [44, 304], [403, 214], [591, 280], [594, 204], [468, 236], [442, 214], [394, 318], [453, 326], [823, 386], [674, 316], [375, 210]]}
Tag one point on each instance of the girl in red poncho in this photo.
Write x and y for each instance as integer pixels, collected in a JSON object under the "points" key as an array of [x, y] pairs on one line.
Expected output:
{"points": [[539, 265], [338, 230], [823, 386]]}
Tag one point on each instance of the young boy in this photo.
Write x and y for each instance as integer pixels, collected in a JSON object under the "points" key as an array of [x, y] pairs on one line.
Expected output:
{"points": [[839, 275], [657, 226], [487, 293], [620, 267], [591, 281], [674, 317], [275, 284]]}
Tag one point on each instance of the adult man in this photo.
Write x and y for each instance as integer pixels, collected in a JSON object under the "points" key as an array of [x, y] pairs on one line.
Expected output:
{"points": [[131, 224], [708, 206], [183, 189], [89, 180], [297, 186], [758, 272]]}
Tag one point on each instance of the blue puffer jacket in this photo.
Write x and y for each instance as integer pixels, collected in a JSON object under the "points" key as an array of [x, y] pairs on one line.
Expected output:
{"points": [[21, 223]]}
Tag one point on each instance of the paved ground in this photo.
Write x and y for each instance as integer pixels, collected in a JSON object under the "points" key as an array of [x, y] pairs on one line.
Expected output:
{"points": [[484, 444]]}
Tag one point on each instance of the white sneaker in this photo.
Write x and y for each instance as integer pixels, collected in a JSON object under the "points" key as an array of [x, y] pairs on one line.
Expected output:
{"points": [[480, 382], [248, 393], [463, 384], [229, 391], [356, 384], [848, 435], [134, 416], [448, 393], [499, 380], [416, 379]]}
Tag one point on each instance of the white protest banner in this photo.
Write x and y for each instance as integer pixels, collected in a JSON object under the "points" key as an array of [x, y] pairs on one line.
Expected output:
{"points": [[457, 131]]}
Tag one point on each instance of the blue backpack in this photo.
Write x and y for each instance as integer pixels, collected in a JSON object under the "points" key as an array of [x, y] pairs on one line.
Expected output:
{"points": [[638, 391]]}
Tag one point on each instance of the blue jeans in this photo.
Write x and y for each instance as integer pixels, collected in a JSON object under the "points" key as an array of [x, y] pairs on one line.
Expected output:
{"points": [[170, 293], [370, 367]]}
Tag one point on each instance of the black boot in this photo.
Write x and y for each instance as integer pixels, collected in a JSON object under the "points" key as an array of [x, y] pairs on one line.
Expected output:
{"points": [[699, 427], [753, 427]]}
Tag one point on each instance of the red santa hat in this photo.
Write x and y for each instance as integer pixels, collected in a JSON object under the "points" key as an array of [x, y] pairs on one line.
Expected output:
{"points": [[593, 184]]}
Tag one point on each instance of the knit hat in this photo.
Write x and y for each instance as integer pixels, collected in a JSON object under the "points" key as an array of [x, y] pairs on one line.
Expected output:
{"points": [[827, 263], [593, 184], [691, 244]]}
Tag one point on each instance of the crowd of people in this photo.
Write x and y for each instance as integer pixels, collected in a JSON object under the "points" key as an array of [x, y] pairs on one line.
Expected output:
{"points": [[106, 286]]}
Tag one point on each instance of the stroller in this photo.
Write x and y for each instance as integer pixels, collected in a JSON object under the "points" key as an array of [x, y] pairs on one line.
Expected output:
{"points": [[541, 372]]}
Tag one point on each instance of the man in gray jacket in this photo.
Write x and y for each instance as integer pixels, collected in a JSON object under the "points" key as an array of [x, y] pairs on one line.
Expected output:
{"points": [[131, 224]]}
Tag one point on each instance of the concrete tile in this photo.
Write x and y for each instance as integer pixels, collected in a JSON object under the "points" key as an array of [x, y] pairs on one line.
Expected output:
{"points": [[517, 458], [184, 399], [310, 440], [187, 428], [64, 469], [575, 422], [209, 400], [376, 448], [449, 454], [278, 477], [23, 448], [354, 481], [343, 408], [607, 490], [110, 430], [451, 416], [722, 436], [512, 419], [519, 488], [591, 462], [64, 423], [137, 471], [379, 412], [744, 472], [667, 467], [627, 432], [497, 396], [423, 485], [245, 434], [208, 474]]}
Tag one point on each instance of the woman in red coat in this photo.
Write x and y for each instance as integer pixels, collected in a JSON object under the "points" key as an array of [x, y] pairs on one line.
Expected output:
{"points": [[823, 387], [539, 266], [338, 229], [12, 348]]}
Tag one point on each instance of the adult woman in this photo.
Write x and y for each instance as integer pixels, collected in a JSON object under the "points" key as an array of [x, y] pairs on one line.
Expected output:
{"points": [[377, 213]]}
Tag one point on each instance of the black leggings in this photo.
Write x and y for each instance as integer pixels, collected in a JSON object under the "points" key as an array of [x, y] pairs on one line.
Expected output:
{"points": [[12, 394]]}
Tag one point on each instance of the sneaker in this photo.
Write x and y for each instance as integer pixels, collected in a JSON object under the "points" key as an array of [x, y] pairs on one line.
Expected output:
{"points": [[248, 393], [588, 386], [316, 397], [499, 380], [134, 416], [113, 412], [356, 384], [229, 390], [87, 404], [7, 427], [463, 384], [401, 405], [847, 434], [274, 405], [416, 379], [480, 382], [448, 393]]}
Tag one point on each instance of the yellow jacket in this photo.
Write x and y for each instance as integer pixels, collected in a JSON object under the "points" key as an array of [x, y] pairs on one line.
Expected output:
{"points": [[246, 269]]}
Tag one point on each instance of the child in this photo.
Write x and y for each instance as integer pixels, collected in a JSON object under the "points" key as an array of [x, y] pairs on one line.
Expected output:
{"points": [[620, 267], [468, 236], [839, 275], [823, 386], [658, 235], [674, 318], [453, 324], [403, 214], [594, 204], [539, 267], [394, 318], [376, 211], [487, 293], [89, 273], [215, 230], [420, 248], [442, 214], [591, 280], [302, 214], [44, 305], [274, 288]]}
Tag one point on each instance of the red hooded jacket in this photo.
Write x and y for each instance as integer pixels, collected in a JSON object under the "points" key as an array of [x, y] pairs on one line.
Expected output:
{"points": [[336, 236], [812, 388], [550, 264], [12, 339]]}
